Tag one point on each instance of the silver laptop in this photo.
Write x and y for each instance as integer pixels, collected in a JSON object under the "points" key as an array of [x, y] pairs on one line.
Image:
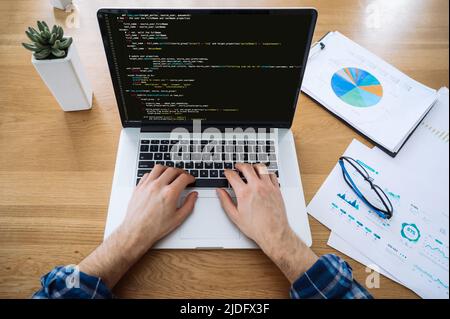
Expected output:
{"points": [[202, 90]]}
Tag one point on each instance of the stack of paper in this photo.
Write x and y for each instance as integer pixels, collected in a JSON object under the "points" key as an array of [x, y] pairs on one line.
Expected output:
{"points": [[369, 94], [412, 247]]}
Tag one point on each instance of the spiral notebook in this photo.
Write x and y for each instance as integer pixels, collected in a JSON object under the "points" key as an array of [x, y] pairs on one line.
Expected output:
{"points": [[376, 99]]}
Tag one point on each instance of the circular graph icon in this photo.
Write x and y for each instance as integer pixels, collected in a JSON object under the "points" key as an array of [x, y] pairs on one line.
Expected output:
{"points": [[357, 87]]}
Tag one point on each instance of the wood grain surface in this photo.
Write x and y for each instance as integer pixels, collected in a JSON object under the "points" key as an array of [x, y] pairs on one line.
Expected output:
{"points": [[56, 168]]}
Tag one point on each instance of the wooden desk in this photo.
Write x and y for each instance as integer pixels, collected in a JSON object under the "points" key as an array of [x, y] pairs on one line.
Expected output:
{"points": [[56, 168]]}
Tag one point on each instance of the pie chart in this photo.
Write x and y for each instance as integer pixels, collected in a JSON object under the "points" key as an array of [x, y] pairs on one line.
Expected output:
{"points": [[357, 87]]}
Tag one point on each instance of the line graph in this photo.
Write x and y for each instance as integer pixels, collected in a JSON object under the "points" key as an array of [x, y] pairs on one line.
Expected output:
{"points": [[440, 284]]}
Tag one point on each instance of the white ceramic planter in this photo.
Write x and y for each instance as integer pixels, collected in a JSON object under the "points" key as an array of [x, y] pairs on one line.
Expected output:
{"points": [[61, 4], [66, 80]]}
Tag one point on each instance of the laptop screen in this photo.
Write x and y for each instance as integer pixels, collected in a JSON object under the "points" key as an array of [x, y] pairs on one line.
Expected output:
{"points": [[221, 66]]}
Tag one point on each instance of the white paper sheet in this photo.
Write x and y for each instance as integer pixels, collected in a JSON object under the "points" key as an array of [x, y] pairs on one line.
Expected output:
{"points": [[344, 247], [431, 137], [392, 104], [413, 245]]}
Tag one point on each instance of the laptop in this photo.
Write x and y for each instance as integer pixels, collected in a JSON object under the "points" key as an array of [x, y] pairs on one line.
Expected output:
{"points": [[202, 90]]}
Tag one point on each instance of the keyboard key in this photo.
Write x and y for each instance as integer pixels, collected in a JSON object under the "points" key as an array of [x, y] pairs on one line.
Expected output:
{"points": [[155, 142], [142, 172], [263, 157], [173, 142], [229, 149], [186, 157], [179, 164], [194, 172], [213, 183], [159, 162], [176, 157], [170, 164], [196, 156], [208, 165], [163, 148], [145, 142], [272, 157], [165, 142], [146, 156], [144, 148], [146, 164], [222, 174], [167, 157], [158, 156], [273, 165], [214, 173], [189, 165], [218, 165], [228, 165], [203, 173], [198, 165], [154, 148], [184, 148]]}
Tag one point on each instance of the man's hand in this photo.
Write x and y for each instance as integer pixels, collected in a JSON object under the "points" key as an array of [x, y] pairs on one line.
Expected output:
{"points": [[260, 214], [152, 213]]}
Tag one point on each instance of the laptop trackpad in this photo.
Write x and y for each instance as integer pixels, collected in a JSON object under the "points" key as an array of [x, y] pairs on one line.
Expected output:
{"points": [[208, 221]]}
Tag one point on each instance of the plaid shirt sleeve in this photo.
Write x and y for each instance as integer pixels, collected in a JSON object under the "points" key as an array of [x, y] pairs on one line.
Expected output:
{"points": [[329, 278], [67, 282]]}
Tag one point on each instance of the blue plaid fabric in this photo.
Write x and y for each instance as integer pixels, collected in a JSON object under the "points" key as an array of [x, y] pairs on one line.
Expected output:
{"points": [[330, 277], [66, 282]]}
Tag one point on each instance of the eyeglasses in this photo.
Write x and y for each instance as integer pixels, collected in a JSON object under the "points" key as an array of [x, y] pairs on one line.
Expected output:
{"points": [[359, 180]]}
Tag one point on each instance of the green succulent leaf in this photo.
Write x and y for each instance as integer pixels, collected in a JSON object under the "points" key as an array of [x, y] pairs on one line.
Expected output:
{"points": [[60, 33], [65, 44], [58, 53], [41, 27], [56, 45], [40, 55], [55, 29], [45, 25], [31, 36], [30, 47], [46, 35], [33, 30], [53, 38]]}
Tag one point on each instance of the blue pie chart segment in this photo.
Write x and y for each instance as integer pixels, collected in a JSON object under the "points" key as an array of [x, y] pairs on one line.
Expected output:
{"points": [[357, 87]]}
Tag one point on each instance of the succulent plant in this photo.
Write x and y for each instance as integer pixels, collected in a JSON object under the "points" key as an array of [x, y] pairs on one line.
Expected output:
{"points": [[47, 44]]}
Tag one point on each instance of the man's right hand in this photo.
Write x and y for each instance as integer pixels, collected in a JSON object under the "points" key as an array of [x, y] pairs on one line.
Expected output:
{"points": [[261, 215]]}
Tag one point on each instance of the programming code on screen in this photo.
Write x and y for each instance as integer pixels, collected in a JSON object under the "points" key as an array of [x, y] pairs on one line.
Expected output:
{"points": [[222, 67]]}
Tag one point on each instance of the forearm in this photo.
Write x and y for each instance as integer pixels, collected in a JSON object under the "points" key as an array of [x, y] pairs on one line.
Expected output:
{"points": [[112, 259], [290, 254]]}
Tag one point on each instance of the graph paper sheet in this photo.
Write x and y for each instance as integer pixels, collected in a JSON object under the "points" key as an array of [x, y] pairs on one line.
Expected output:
{"points": [[412, 246]]}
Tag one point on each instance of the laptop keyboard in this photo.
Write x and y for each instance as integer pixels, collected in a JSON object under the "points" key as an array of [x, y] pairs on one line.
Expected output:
{"points": [[205, 160]]}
